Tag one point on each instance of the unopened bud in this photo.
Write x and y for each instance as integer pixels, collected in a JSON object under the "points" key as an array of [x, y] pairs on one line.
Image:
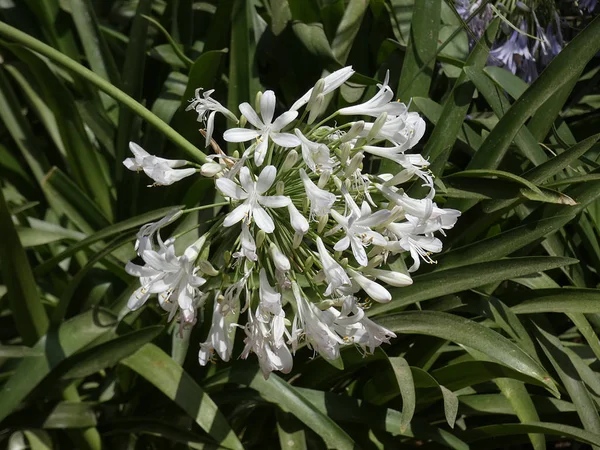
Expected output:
{"points": [[290, 161], [344, 262], [354, 131], [322, 222], [260, 239], [279, 187], [210, 169], [345, 151], [377, 126], [316, 108], [243, 121], [297, 239], [355, 163], [257, 101], [325, 304], [207, 268], [323, 179], [282, 263], [227, 256], [317, 90], [236, 154], [309, 263]]}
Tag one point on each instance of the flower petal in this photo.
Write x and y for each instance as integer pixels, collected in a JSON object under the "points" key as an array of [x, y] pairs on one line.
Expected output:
{"points": [[286, 140], [266, 179], [274, 201], [230, 189], [263, 219], [283, 120], [246, 180], [236, 215], [240, 135], [260, 152], [251, 115], [267, 106]]}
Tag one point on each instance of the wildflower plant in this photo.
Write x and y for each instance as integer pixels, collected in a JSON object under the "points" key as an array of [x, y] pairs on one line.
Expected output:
{"points": [[309, 238]]}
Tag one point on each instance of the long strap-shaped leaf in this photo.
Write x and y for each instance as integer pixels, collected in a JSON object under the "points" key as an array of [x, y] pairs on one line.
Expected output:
{"points": [[169, 377]]}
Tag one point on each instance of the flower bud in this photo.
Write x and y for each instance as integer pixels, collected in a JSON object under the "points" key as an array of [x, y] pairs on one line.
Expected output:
{"points": [[309, 263], [355, 163], [345, 152], [210, 169], [344, 262], [297, 239], [325, 304], [282, 263], [317, 90], [290, 161], [260, 238], [257, 100], [227, 256], [207, 268], [243, 121], [377, 126], [279, 187], [316, 108], [322, 222], [297, 220], [354, 131], [236, 154], [397, 279], [373, 290], [323, 179]]}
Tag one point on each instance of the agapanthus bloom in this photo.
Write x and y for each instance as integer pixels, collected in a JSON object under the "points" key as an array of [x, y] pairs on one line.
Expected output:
{"points": [[308, 235]]}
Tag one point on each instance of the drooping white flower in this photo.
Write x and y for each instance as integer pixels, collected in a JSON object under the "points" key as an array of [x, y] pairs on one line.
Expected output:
{"points": [[379, 103], [218, 337], [266, 129], [297, 220], [251, 192], [331, 82], [247, 243], [319, 336], [172, 277], [147, 232], [321, 201], [315, 155], [161, 170], [334, 273], [417, 238], [403, 131], [207, 108]]}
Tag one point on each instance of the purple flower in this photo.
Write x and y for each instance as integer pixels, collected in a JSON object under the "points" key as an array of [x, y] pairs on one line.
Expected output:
{"points": [[587, 5], [477, 24], [514, 54]]}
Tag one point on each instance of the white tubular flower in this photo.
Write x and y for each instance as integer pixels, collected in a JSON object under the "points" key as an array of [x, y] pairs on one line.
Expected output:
{"points": [[211, 169], [248, 245], [161, 170], [281, 262], [315, 155], [297, 220], [270, 299], [357, 229], [261, 341], [207, 108], [331, 82], [320, 337], [146, 234], [396, 279], [321, 201], [218, 338], [379, 103], [173, 278], [251, 192], [417, 239], [265, 129], [373, 289], [404, 131], [334, 273]]}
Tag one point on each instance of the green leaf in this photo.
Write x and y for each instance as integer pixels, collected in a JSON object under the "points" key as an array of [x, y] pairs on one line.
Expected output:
{"points": [[312, 36], [406, 386], [347, 29], [450, 405], [27, 310], [467, 332], [159, 369], [564, 300], [290, 432], [449, 281]]}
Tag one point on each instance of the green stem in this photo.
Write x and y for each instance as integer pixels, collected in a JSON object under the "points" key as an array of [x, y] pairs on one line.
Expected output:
{"points": [[200, 208], [59, 58]]}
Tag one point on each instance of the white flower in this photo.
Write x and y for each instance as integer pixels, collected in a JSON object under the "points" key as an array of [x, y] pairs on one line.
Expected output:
{"points": [[404, 131], [334, 273], [417, 238], [161, 170], [266, 128], [315, 155], [206, 106], [218, 337], [332, 82], [373, 289], [173, 278], [321, 201], [297, 220], [380, 102], [147, 232], [248, 245], [393, 278], [357, 229], [252, 193], [270, 299], [320, 337]]}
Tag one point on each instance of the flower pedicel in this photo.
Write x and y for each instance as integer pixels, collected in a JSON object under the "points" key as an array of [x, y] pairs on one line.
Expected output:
{"points": [[311, 237]]}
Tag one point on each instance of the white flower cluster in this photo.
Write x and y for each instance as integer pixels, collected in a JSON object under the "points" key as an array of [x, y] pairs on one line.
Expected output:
{"points": [[311, 237]]}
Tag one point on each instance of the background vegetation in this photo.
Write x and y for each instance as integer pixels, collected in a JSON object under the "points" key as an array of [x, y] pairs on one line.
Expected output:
{"points": [[497, 343]]}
